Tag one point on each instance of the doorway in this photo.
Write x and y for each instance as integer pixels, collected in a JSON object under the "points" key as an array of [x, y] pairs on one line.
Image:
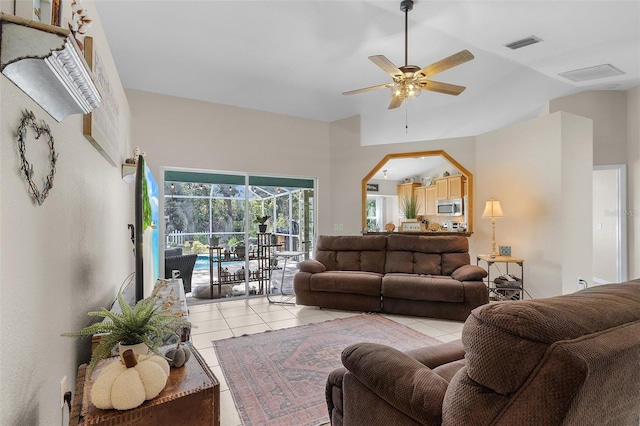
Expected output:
{"points": [[216, 215], [609, 224]]}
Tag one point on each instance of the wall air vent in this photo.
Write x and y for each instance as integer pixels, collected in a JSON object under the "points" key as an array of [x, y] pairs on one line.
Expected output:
{"points": [[523, 43], [591, 73]]}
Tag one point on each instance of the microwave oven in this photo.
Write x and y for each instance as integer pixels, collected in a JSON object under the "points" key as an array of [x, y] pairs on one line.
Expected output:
{"points": [[450, 207]]}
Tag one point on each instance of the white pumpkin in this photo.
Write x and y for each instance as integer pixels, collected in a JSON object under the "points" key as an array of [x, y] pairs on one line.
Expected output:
{"points": [[126, 386]]}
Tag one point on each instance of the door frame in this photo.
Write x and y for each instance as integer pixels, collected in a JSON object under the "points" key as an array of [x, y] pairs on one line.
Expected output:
{"points": [[621, 213]]}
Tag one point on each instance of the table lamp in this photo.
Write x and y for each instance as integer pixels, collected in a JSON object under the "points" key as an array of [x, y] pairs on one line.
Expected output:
{"points": [[492, 210]]}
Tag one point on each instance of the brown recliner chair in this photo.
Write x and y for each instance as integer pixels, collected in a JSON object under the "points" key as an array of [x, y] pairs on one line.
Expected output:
{"points": [[566, 360]]}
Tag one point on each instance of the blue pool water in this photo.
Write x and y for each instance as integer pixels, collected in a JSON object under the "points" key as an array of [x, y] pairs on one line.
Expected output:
{"points": [[202, 262]]}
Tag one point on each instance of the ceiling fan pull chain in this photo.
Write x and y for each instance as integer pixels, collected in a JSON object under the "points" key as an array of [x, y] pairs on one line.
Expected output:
{"points": [[406, 117]]}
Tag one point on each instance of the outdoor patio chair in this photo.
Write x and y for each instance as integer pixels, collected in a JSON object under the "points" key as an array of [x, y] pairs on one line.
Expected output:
{"points": [[184, 264]]}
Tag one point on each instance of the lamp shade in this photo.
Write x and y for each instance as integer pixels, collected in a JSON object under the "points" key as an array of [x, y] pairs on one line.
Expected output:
{"points": [[492, 209]]}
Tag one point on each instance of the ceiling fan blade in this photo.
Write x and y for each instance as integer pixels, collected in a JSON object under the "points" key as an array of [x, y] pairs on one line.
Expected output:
{"points": [[368, 89], [436, 86], [446, 63], [386, 65], [396, 101]]}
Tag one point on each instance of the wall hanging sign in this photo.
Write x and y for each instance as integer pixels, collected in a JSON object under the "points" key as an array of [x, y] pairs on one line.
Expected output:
{"points": [[372, 187], [412, 227], [101, 125], [41, 129]]}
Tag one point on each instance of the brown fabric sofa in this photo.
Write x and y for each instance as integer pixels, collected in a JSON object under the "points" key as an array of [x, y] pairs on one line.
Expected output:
{"points": [[396, 273], [565, 360]]}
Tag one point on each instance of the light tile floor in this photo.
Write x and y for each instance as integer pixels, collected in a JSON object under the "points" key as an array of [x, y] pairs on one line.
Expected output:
{"points": [[221, 320]]}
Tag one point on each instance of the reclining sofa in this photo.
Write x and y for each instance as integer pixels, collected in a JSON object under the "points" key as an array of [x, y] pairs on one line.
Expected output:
{"points": [[564, 360], [416, 275]]}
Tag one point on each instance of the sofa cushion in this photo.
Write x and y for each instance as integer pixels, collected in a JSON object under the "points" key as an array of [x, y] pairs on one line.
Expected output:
{"points": [[413, 263], [422, 287], [469, 273], [355, 282], [352, 253], [428, 243], [420, 254], [452, 261]]}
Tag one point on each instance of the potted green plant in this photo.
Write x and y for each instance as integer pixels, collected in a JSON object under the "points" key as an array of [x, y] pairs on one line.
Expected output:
{"points": [[409, 206], [262, 223], [147, 322]]}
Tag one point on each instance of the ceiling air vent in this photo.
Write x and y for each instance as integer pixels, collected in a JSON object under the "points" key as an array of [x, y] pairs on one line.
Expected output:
{"points": [[524, 42], [592, 73]]}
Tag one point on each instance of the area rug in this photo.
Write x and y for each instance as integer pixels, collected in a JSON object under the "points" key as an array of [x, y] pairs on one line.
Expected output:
{"points": [[278, 377]]}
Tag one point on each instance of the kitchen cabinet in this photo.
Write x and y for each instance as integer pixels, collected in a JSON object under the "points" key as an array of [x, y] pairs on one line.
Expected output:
{"points": [[420, 193], [450, 187], [430, 200], [407, 190], [426, 196]]}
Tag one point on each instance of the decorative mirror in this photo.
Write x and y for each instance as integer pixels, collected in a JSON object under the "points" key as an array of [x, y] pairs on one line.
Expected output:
{"points": [[420, 169]]}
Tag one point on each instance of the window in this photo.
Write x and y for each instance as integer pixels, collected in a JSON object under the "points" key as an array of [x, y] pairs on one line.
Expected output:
{"points": [[217, 209]]}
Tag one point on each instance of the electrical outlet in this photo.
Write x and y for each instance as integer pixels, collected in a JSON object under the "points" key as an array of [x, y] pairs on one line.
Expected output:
{"points": [[63, 390], [582, 284]]}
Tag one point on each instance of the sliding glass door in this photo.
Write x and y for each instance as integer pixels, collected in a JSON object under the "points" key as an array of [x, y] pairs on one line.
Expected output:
{"points": [[213, 214]]}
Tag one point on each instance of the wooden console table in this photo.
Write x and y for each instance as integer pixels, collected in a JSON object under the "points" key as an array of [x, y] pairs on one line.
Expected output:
{"points": [[191, 397]]}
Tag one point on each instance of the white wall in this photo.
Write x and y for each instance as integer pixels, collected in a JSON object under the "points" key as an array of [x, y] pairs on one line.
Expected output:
{"points": [[576, 238], [58, 260], [616, 140], [633, 181], [605, 225], [183, 133], [528, 168], [351, 162], [607, 109]]}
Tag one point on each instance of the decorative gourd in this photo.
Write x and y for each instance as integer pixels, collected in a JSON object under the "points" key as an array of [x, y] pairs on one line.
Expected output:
{"points": [[125, 386], [178, 356]]}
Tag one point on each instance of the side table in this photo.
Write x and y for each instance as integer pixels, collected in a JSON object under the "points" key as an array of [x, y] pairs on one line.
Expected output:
{"points": [[285, 298], [511, 290], [191, 397]]}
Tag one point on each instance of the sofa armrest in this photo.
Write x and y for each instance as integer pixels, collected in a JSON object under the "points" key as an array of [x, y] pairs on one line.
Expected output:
{"points": [[469, 273], [403, 382], [311, 265], [437, 355]]}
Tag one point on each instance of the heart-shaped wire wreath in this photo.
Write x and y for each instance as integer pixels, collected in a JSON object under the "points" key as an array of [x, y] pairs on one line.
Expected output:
{"points": [[29, 121]]}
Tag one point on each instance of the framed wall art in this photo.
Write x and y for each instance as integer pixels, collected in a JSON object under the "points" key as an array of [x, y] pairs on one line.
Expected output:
{"points": [[44, 11], [101, 125]]}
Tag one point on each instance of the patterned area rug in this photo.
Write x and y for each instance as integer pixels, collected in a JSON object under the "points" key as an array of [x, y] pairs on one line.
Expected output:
{"points": [[278, 377]]}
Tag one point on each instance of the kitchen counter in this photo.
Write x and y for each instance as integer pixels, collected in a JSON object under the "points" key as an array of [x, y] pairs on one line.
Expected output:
{"points": [[465, 234]]}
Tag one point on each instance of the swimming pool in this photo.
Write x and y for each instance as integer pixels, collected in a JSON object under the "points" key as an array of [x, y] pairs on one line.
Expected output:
{"points": [[202, 262]]}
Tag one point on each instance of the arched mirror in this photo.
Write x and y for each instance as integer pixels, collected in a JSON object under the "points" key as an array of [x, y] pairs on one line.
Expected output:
{"points": [[435, 178]]}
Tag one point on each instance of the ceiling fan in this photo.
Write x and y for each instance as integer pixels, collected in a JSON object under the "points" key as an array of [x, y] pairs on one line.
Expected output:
{"points": [[410, 80]]}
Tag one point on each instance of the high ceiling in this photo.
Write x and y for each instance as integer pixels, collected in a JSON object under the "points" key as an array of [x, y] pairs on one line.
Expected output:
{"points": [[297, 57]]}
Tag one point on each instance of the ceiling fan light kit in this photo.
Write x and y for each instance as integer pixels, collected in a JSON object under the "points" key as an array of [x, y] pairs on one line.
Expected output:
{"points": [[410, 80]]}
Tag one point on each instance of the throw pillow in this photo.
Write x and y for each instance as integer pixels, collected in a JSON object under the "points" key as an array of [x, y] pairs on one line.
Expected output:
{"points": [[469, 273]]}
